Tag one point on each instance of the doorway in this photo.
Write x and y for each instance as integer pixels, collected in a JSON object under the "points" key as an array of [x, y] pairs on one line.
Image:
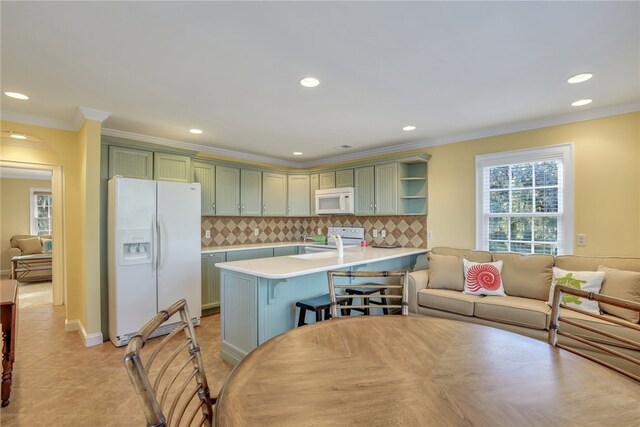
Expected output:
{"points": [[32, 205]]}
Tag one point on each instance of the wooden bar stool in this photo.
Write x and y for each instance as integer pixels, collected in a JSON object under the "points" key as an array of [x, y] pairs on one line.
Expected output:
{"points": [[318, 305], [374, 289]]}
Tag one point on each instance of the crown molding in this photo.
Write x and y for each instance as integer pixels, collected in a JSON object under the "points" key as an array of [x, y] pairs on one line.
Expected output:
{"points": [[29, 119], [594, 113], [543, 122], [84, 113], [196, 147]]}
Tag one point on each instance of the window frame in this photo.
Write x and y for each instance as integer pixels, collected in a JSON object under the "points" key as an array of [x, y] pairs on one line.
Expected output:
{"points": [[563, 152], [33, 206]]}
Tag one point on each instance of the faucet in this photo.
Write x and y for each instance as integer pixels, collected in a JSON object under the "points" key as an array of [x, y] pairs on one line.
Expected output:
{"points": [[339, 245]]}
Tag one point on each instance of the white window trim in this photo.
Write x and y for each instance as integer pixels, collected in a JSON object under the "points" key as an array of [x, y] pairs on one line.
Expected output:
{"points": [[32, 207], [561, 151]]}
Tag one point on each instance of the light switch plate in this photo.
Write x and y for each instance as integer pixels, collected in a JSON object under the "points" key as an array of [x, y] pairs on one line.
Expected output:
{"points": [[581, 240]]}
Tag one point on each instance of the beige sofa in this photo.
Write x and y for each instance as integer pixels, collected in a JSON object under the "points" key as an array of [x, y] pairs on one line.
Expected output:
{"points": [[437, 291], [25, 244]]}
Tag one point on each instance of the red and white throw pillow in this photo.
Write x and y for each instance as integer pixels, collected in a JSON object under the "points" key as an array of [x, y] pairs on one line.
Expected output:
{"points": [[483, 278]]}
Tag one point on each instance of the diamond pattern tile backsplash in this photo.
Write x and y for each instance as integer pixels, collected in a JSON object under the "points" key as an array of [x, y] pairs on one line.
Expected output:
{"points": [[407, 231]]}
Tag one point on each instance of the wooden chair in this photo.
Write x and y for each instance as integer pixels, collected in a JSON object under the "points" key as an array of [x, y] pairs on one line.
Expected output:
{"points": [[557, 318], [365, 298], [169, 378]]}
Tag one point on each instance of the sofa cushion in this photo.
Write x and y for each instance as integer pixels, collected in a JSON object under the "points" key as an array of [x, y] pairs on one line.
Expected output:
{"points": [[445, 272], [447, 300], [620, 284], [527, 276], [30, 246], [598, 323], [588, 281], [531, 313], [482, 278], [576, 263], [475, 256]]}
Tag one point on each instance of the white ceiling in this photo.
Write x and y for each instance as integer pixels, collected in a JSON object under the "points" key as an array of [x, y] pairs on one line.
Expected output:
{"points": [[455, 70]]}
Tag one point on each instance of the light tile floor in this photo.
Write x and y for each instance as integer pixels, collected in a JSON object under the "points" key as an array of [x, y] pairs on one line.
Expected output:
{"points": [[57, 381]]}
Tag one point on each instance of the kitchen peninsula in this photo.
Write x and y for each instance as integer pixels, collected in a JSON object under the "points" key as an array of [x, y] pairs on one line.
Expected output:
{"points": [[258, 296]]}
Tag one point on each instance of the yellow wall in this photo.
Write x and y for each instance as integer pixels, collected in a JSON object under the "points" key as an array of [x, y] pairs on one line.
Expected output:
{"points": [[15, 216], [69, 150], [606, 185]]}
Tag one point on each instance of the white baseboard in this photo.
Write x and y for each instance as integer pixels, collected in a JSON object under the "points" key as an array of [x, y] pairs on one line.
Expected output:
{"points": [[89, 339]]}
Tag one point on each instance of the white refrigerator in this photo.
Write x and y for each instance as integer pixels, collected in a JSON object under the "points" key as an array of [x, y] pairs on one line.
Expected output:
{"points": [[153, 252]]}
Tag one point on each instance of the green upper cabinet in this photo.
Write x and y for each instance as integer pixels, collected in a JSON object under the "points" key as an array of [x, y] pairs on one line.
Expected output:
{"points": [[344, 178], [364, 191], [250, 192], [227, 190], [298, 195], [205, 174], [386, 189], [327, 180], [274, 194], [130, 163], [314, 184], [171, 167]]}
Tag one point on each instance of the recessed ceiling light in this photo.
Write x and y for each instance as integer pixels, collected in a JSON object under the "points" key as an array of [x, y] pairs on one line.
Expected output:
{"points": [[18, 136], [581, 102], [579, 78], [408, 128], [196, 131], [16, 95], [309, 82], [297, 153]]}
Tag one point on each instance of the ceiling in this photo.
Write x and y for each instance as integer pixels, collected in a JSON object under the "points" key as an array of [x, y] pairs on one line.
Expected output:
{"points": [[455, 70]]}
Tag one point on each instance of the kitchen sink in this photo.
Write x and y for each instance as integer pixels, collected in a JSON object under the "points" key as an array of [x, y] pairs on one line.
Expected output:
{"points": [[317, 255]]}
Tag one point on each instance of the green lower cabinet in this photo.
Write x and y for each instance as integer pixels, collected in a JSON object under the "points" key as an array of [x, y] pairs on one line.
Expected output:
{"points": [[211, 282], [249, 254], [285, 251]]}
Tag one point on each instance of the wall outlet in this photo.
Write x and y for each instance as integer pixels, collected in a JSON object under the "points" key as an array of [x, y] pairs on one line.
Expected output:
{"points": [[383, 233], [581, 240], [207, 234], [375, 233], [319, 231], [429, 235], [256, 232]]}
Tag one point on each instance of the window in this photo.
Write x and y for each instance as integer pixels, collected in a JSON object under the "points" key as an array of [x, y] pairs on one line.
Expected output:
{"points": [[525, 201], [41, 211]]}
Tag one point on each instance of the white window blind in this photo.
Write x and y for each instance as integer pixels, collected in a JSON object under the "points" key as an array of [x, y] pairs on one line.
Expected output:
{"points": [[524, 201]]}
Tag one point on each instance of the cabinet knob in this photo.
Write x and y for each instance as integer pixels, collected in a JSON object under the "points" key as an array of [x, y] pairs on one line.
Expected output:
{"points": [[264, 208], [213, 206], [371, 206]]}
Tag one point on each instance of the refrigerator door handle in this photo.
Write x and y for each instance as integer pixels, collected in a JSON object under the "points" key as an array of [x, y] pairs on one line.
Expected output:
{"points": [[154, 244], [159, 228]]}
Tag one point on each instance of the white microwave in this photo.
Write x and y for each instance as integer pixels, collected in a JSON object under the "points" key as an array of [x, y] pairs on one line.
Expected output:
{"points": [[335, 201]]}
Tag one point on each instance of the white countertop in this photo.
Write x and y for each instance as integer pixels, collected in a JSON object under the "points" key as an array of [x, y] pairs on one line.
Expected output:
{"points": [[298, 265], [248, 246]]}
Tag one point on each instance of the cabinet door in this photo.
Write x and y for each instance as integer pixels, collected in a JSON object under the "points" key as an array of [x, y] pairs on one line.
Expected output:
{"points": [[250, 192], [298, 195], [249, 254], [314, 181], [171, 167], [386, 197], [364, 191], [327, 180], [205, 174], [227, 191], [211, 280], [344, 178], [130, 163], [274, 194]]}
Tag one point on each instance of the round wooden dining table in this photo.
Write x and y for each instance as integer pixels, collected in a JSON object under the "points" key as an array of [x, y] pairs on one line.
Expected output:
{"points": [[420, 371]]}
